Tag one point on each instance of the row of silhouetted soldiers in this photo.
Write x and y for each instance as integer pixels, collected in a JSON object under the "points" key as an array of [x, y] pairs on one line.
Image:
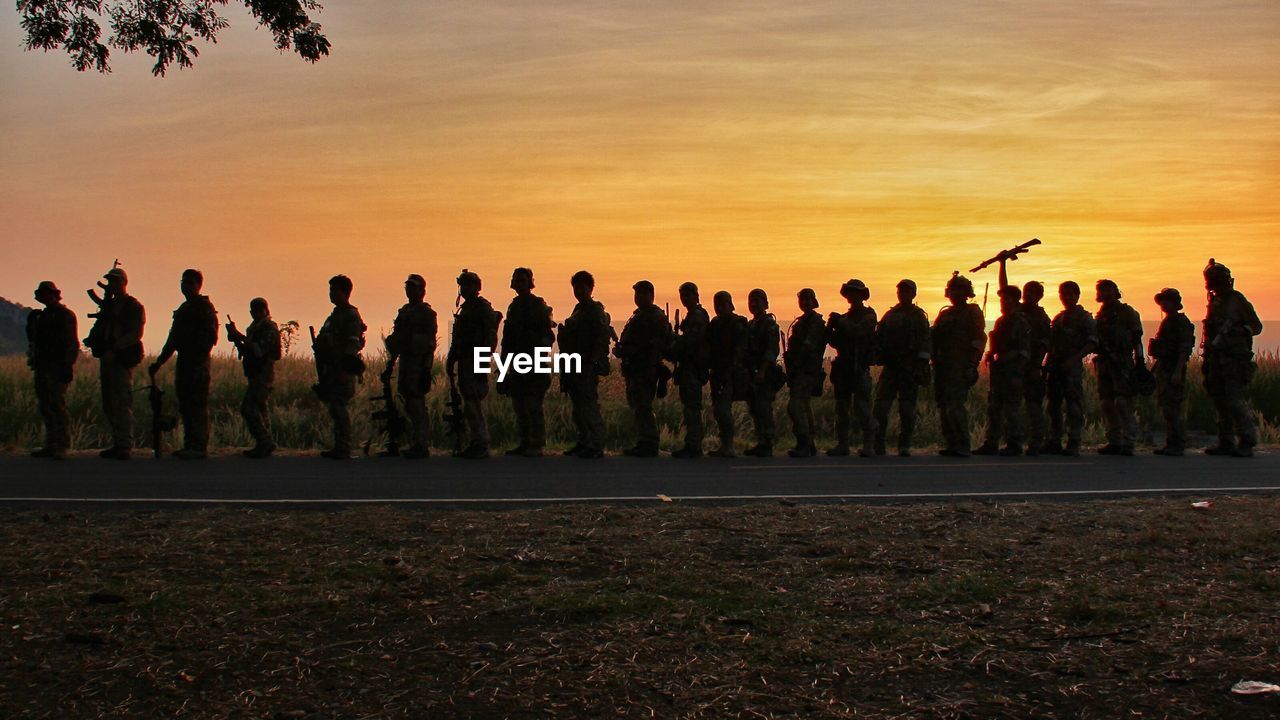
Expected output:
{"points": [[1035, 365]]}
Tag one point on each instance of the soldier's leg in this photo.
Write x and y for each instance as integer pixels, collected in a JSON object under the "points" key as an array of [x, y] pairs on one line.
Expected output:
{"points": [[473, 411], [722, 408], [908, 399], [762, 397], [1236, 402], [198, 434], [995, 415], [1073, 401], [862, 409], [1033, 391], [640, 396], [798, 407], [691, 401], [254, 411], [184, 387], [1110, 411], [341, 392], [520, 409], [1173, 402], [844, 399], [586, 403], [957, 410], [1054, 391], [1215, 388], [117, 401], [43, 387], [1011, 405], [886, 390], [1128, 419]]}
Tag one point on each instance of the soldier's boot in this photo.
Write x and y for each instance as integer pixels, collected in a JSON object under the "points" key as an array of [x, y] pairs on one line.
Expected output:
{"points": [[904, 451], [1051, 447], [190, 454], [44, 452], [868, 445], [1110, 449], [1033, 449], [879, 445], [687, 453], [416, 452], [987, 448], [1224, 447], [517, 450], [1126, 450], [1072, 449], [1169, 451], [837, 450], [532, 451], [474, 451], [577, 448], [336, 454], [726, 448], [804, 448], [762, 450], [1011, 450], [588, 453], [642, 451], [115, 454], [1244, 449]]}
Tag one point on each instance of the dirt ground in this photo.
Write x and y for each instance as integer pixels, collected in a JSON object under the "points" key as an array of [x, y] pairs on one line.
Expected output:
{"points": [[1145, 608]]}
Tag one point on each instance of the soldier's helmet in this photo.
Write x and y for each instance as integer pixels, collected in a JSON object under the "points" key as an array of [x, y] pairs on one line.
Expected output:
{"points": [[724, 297], [1104, 283], [809, 293], [522, 271], [48, 286], [908, 283], [416, 280], [1013, 292], [468, 278], [855, 288], [1217, 275], [1170, 295], [341, 282], [688, 287], [117, 272], [762, 295], [960, 283]]}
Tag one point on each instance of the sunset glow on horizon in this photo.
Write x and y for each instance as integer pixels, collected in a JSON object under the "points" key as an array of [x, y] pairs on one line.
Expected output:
{"points": [[738, 145]]}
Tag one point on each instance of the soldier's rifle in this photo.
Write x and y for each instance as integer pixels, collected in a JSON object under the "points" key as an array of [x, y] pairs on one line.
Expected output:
{"points": [[454, 418], [160, 423], [93, 294], [1010, 254], [389, 419]]}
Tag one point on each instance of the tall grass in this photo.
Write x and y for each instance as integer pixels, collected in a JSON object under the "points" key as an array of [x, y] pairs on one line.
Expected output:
{"points": [[300, 422]]}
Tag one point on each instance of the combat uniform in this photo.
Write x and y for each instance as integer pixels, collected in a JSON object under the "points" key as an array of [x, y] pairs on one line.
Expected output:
{"points": [[727, 339], [1033, 382], [528, 327], [765, 380], [587, 332], [1073, 331], [258, 354], [689, 351], [474, 326], [1007, 358], [1119, 332], [852, 335], [116, 340], [644, 339], [53, 347], [803, 360], [339, 366], [903, 348], [413, 342], [1171, 348], [959, 335], [193, 334], [1229, 367]]}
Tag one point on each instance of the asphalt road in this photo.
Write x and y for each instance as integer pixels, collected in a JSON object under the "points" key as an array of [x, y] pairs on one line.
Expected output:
{"points": [[444, 481]]}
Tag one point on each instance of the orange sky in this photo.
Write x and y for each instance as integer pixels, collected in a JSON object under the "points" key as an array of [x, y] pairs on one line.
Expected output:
{"points": [[737, 144]]}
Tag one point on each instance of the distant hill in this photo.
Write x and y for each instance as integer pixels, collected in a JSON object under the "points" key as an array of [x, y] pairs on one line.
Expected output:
{"points": [[13, 328]]}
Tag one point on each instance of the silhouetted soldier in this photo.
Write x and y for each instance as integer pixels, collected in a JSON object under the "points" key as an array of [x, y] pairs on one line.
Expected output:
{"points": [[762, 363], [645, 338], [803, 359], [528, 327], [1073, 336], [959, 336], [52, 349], [1229, 328], [412, 343], [852, 335], [1033, 382], [259, 350], [690, 353], [192, 336], [727, 339], [1119, 355], [587, 332], [116, 340], [902, 348], [1007, 359], [338, 363], [475, 325], [1171, 349]]}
